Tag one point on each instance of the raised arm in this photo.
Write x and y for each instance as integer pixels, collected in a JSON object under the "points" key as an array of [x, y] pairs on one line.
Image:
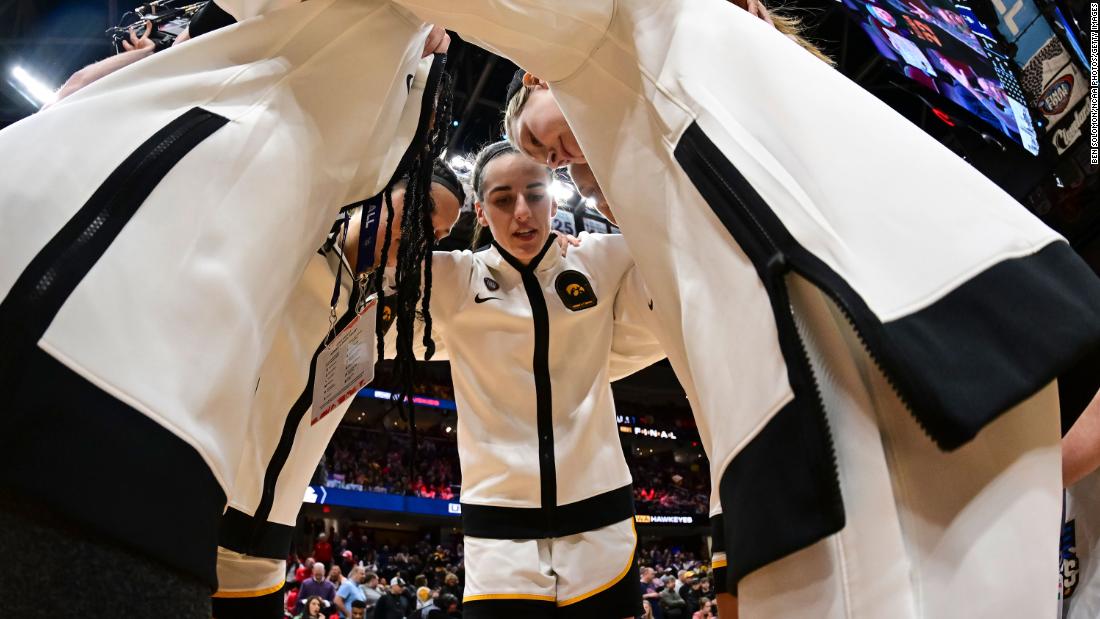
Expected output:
{"points": [[550, 38], [136, 48], [1081, 445]]}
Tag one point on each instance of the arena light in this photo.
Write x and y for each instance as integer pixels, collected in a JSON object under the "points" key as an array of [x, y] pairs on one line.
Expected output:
{"points": [[32, 87], [561, 191], [460, 163]]}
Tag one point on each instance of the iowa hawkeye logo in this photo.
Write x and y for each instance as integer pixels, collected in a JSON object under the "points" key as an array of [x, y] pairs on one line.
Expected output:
{"points": [[575, 291]]}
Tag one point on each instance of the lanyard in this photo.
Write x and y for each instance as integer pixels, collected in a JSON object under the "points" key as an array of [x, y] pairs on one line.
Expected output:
{"points": [[341, 235], [368, 234]]}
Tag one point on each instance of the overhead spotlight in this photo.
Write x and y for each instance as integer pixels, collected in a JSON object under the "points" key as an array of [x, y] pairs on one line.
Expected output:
{"points": [[561, 191], [32, 87], [454, 123], [447, 429], [460, 163]]}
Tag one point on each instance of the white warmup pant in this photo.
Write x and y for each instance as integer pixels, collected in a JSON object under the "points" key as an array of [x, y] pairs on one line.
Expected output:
{"points": [[971, 533]]}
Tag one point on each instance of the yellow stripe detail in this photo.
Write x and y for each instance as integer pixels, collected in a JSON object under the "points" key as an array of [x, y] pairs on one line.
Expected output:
{"points": [[249, 594], [507, 596], [608, 585], [717, 564]]}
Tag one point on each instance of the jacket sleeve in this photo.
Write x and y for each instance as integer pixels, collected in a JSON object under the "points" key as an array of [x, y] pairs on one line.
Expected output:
{"points": [[634, 344], [241, 10], [451, 273], [550, 38]]}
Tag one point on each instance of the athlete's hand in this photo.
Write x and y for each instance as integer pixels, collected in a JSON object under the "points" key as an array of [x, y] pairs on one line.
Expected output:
{"points": [[437, 43], [565, 240], [755, 7], [144, 43]]}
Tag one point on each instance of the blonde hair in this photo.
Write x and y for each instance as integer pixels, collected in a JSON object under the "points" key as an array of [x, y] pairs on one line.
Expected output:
{"points": [[511, 113], [792, 27]]}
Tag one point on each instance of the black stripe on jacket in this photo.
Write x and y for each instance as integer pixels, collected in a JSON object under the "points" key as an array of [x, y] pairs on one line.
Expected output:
{"points": [[958, 364]]}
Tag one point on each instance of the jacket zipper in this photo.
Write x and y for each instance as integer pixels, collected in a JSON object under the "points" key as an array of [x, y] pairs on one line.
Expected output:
{"points": [[772, 271], [50, 278], [540, 366]]}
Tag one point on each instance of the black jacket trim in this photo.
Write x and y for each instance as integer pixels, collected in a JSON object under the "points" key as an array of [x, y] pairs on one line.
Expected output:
{"points": [[98, 462], [248, 535], [785, 480], [293, 419], [209, 18], [996, 340], [718, 544], [777, 494], [46, 283], [983, 348], [957, 364], [495, 522], [540, 365]]}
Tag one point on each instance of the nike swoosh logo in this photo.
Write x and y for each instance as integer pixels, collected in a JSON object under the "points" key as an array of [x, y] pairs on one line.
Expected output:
{"points": [[408, 83], [651, 304], [478, 299]]}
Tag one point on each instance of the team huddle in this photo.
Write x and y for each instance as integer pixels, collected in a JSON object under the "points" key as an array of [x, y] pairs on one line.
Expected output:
{"points": [[873, 381]]}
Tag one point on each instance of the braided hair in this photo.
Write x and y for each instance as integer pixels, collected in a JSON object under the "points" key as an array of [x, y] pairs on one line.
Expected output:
{"points": [[416, 171]]}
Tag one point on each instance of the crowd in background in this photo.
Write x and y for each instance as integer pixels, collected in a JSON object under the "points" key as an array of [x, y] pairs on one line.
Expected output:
{"points": [[356, 577], [378, 461], [664, 486]]}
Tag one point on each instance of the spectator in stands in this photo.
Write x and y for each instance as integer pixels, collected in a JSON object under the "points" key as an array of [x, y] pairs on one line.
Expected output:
{"points": [[336, 576], [442, 607], [358, 609], [312, 609], [349, 592], [322, 550], [370, 590], [451, 585], [423, 594], [291, 603], [347, 560], [649, 589], [647, 610], [672, 605], [393, 605], [690, 590], [706, 609], [704, 590], [317, 586]]}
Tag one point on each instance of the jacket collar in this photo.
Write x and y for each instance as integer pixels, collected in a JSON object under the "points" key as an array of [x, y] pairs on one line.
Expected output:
{"points": [[543, 261]]}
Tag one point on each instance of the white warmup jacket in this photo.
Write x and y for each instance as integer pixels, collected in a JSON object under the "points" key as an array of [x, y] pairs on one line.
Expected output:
{"points": [[533, 351], [736, 161], [153, 227], [284, 444]]}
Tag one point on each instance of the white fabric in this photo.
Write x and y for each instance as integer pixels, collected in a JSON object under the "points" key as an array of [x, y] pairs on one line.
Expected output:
{"points": [[565, 570], [967, 534], [855, 183], [178, 315], [491, 348]]}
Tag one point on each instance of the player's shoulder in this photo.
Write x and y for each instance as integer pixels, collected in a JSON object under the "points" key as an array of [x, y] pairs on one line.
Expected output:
{"points": [[606, 253]]}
